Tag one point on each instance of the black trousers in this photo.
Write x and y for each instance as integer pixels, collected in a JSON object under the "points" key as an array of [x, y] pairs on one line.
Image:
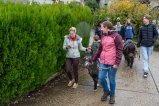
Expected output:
{"points": [[72, 62], [128, 39]]}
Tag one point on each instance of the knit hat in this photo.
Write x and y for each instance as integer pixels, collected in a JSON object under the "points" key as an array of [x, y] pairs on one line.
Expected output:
{"points": [[118, 19]]}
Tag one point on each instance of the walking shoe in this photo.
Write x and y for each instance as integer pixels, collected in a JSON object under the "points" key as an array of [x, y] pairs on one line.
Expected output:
{"points": [[145, 75], [112, 99], [95, 90], [98, 84], [75, 85], [70, 83], [105, 95]]}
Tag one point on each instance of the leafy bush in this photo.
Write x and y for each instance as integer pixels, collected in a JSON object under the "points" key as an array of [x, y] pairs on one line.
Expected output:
{"points": [[128, 9], [100, 15], [31, 38], [93, 4], [124, 9]]}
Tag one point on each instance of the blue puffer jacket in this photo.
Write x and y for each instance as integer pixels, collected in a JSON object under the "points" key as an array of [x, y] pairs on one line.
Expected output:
{"points": [[127, 31]]}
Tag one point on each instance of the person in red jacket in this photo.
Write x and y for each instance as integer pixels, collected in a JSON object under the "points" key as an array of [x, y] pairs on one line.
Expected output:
{"points": [[110, 54]]}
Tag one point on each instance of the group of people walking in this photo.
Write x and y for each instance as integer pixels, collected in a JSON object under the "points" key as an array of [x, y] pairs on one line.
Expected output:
{"points": [[110, 51]]}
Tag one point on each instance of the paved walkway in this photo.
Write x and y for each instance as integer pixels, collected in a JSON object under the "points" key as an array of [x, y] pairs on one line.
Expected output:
{"points": [[132, 89]]}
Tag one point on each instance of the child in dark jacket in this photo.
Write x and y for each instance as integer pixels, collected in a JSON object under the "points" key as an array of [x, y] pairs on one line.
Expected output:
{"points": [[93, 68], [95, 44]]}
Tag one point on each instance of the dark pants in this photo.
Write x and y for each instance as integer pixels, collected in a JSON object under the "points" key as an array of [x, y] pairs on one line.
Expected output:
{"points": [[128, 39], [69, 63]]}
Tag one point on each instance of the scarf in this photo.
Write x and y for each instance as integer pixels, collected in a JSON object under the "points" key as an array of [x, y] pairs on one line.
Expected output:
{"points": [[73, 38]]}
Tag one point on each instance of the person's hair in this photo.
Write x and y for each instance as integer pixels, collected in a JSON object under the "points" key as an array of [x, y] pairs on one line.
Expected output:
{"points": [[72, 29], [147, 16], [108, 24], [96, 37]]}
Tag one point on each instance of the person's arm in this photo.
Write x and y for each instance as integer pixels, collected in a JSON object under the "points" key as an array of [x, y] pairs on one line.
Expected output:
{"points": [[139, 37], [119, 49], [80, 45], [155, 34]]}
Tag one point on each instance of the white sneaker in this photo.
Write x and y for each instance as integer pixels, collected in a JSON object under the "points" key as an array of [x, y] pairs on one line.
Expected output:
{"points": [[145, 74], [70, 83], [75, 85], [98, 84]]}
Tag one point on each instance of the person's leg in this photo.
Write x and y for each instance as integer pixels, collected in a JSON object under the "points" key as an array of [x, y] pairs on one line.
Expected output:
{"points": [[145, 58], [102, 80], [75, 71], [112, 81], [68, 68], [68, 71], [149, 52]]}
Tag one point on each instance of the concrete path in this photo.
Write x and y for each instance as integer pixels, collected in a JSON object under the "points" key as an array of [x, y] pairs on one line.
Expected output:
{"points": [[132, 89]]}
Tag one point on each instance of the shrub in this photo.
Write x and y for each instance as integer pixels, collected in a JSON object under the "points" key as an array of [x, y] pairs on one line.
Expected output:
{"points": [[93, 4], [100, 15], [127, 8], [31, 38], [124, 9]]}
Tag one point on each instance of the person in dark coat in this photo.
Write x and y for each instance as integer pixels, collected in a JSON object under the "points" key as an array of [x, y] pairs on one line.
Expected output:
{"points": [[147, 37]]}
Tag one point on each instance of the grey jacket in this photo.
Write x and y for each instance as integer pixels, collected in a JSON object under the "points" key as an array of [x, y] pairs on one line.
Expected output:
{"points": [[76, 45]]}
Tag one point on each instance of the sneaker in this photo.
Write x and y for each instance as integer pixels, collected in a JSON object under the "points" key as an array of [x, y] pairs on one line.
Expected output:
{"points": [[105, 95], [75, 85], [145, 75], [94, 90], [112, 100], [70, 83], [98, 84]]}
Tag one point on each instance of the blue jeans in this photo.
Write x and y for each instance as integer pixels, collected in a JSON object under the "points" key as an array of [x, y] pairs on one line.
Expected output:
{"points": [[112, 78], [146, 53]]}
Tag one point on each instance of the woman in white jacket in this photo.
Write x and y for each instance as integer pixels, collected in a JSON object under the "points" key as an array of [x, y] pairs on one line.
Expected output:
{"points": [[72, 44]]}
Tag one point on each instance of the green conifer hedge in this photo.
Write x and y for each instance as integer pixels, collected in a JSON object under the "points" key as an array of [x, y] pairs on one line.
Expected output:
{"points": [[31, 38]]}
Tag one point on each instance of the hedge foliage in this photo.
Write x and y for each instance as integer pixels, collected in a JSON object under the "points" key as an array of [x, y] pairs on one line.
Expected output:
{"points": [[31, 38]]}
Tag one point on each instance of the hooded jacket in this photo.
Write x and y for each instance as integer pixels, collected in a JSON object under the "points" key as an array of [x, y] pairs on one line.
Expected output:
{"points": [[76, 45], [110, 49]]}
